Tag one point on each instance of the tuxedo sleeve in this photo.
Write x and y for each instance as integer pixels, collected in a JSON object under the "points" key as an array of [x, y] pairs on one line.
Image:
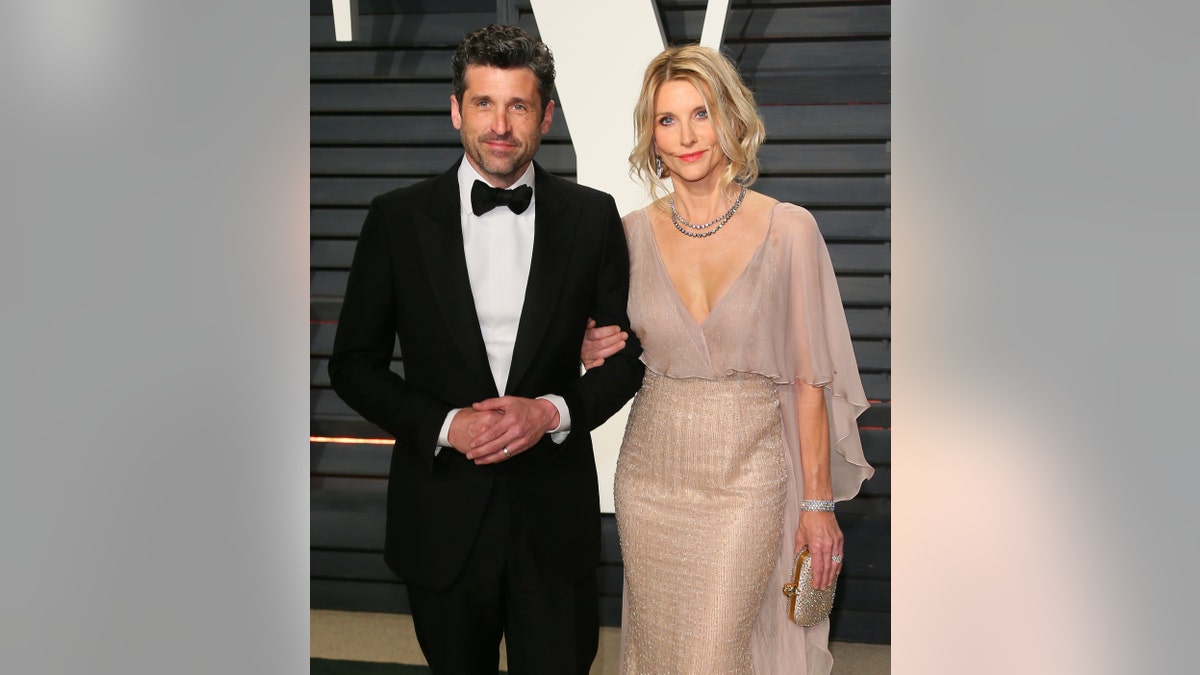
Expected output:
{"points": [[602, 391], [359, 368]]}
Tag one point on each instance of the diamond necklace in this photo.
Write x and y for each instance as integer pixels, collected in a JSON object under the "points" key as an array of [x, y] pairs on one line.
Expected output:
{"points": [[700, 231]]}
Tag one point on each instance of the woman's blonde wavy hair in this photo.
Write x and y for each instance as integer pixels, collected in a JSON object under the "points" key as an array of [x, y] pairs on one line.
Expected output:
{"points": [[730, 105]]}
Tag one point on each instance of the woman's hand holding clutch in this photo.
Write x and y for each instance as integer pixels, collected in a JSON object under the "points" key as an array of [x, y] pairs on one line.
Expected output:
{"points": [[820, 532]]}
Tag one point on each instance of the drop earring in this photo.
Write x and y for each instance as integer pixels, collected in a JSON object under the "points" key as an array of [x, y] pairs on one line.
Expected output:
{"points": [[658, 167]]}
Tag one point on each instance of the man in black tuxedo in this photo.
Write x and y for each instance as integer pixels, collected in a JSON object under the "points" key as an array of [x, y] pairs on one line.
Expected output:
{"points": [[488, 274]]}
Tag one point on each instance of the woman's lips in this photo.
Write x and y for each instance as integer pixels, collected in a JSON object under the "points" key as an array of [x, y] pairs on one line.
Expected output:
{"points": [[691, 157]]}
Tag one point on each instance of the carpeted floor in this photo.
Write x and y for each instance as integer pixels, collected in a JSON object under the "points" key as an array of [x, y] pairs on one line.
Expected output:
{"points": [[342, 667], [366, 643]]}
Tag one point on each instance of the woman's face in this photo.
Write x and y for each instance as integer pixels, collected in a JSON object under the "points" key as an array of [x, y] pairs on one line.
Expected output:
{"points": [[684, 135]]}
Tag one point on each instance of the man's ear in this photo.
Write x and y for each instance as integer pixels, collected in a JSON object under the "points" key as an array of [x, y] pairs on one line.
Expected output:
{"points": [[547, 117], [456, 112]]}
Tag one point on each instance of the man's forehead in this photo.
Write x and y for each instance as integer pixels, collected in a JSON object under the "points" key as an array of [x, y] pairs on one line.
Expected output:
{"points": [[483, 76]]}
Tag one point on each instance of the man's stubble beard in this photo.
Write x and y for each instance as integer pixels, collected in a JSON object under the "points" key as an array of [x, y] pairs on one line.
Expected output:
{"points": [[503, 169]]}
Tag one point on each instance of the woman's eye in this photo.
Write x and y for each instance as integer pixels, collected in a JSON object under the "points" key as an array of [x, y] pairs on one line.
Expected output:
{"points": [[702, 115]]}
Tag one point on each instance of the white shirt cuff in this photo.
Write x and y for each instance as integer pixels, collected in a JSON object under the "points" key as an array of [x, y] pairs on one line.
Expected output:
{"points": [[559, 434], [444, 434]]}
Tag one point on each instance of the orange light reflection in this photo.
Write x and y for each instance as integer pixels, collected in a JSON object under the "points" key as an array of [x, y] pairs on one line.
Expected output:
{"points": [[338, 439]]}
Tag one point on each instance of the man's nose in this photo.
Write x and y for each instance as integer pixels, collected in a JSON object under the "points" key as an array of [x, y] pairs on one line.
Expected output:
{"points": [[500, 122]]}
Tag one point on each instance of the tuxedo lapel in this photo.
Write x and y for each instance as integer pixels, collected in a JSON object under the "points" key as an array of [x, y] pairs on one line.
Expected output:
{"points": [[554, 227], [439, 234]]}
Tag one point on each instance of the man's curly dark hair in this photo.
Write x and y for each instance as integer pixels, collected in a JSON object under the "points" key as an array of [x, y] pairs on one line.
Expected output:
{"points": [[504, 47]]}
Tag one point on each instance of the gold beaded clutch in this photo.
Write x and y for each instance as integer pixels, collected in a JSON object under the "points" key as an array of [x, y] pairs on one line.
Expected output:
{"points": [[807, 606]]}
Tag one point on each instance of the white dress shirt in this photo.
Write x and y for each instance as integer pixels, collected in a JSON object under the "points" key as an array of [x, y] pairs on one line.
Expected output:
{"points": [[499, 247]]}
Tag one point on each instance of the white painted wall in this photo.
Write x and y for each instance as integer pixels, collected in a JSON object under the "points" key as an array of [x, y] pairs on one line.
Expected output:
{"points": [[600, 51]]}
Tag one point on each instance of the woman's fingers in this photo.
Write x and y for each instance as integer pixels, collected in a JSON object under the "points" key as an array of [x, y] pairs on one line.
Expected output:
{"points": [[600, 343]]}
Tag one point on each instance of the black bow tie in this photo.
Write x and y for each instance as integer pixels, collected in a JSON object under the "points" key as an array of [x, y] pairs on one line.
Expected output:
{"points": [[484, 198]]}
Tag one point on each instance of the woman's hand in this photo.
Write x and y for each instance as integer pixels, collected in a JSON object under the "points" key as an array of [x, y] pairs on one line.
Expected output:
{"points": [[820, 532], [600, 343]]}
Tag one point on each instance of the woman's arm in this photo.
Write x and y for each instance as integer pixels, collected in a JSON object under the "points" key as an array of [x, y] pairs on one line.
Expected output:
{"points": [[818, 529]]}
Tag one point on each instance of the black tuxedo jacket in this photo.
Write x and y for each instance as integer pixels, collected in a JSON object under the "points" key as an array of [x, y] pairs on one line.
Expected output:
{"points": [[409, 279]]}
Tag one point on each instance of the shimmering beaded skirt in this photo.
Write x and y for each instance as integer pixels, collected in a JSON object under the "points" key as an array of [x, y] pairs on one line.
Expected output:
{"points": [[700, 489]]}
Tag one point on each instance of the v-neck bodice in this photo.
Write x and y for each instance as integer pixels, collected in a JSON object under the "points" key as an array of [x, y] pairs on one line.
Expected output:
{"points": [[746, 271], [745, 329]]}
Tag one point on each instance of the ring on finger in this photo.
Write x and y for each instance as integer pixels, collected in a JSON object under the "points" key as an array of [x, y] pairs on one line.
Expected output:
{"points": [[505, 451], [836, 558]]}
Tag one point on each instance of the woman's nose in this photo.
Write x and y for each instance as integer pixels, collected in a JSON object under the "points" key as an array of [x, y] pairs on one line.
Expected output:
{"points": [[687, 135]]}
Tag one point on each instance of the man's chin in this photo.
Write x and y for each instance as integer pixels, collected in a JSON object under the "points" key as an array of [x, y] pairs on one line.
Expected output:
{"points": [[506, 170]]}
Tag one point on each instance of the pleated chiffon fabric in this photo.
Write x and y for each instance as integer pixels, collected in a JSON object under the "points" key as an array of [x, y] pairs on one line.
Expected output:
{"points": [[710, 464]]}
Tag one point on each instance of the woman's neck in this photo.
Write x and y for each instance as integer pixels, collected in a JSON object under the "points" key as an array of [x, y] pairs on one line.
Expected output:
{"points": [[702, 200]]}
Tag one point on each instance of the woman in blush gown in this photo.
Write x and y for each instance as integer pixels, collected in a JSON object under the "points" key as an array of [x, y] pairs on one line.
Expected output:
{"points": [[743, 434]]}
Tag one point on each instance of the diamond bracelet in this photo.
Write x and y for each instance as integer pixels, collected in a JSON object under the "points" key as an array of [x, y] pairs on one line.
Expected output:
{"points": [[816, 505]]}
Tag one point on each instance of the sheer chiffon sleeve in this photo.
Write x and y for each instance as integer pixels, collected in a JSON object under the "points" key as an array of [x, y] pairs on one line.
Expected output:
{"points": [[816, 349]]}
